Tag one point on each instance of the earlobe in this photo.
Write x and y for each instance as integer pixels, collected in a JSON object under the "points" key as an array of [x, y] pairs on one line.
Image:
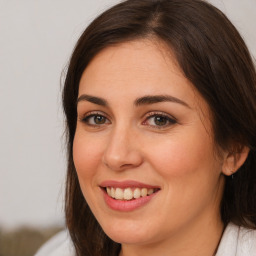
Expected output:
{"points": [[234, 160]]}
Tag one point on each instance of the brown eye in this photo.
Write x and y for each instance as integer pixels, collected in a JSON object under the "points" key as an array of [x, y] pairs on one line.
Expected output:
{"points": [[160, 120], [95, 119], [99, 119]]}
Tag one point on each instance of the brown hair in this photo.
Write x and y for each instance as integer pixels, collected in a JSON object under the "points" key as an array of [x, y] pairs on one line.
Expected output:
{"points": [[213, 57]]}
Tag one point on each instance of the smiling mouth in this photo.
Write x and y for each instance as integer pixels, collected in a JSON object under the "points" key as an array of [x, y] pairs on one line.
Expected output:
{"points": [[128, 194]]}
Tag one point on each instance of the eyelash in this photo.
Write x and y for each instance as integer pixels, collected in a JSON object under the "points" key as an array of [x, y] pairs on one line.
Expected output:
{"points": [[166, 118]]}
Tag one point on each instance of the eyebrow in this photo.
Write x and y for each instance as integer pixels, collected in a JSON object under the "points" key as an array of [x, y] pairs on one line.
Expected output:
{"points": [[145, 100], [92, 99]]}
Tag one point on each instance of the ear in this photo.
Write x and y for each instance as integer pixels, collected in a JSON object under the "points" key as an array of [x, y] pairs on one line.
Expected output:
{"points": [[234, 160]]}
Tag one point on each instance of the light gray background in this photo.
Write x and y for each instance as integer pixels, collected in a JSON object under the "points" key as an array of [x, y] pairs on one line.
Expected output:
{"points": [[36, 39]]}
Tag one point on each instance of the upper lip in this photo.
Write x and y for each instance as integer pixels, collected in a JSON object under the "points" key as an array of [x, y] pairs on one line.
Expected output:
{"points": [[126, 184]]}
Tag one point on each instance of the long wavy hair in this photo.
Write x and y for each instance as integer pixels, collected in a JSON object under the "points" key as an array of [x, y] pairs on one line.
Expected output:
{"points": [[213, 56]]}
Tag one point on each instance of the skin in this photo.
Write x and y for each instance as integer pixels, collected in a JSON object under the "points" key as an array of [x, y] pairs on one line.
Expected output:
{"points": [[183, 218]]}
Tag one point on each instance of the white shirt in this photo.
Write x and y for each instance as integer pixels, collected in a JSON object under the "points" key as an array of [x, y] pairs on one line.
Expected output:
{"points": [[236, 241]]}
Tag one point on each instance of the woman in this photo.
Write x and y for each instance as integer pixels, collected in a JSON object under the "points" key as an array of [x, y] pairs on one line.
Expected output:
{"points": [[159, 100]]}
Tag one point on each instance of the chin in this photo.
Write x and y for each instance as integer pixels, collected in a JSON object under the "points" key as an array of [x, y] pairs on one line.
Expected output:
{"points": [[128, 238], [128, 233]]}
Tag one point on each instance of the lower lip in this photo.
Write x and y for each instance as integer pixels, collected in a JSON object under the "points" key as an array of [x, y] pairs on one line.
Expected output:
{"points": [[127, 205]]}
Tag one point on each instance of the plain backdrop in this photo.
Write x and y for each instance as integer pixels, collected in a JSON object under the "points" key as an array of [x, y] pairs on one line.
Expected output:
{"points": [[36, 40]]}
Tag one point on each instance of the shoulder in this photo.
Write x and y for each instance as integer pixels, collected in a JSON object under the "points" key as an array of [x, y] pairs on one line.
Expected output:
{"points": [[237, 241], [58, 245]]}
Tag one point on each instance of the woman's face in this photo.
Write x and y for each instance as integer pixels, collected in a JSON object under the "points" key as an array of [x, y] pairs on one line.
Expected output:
{"points": [[143, 147]]}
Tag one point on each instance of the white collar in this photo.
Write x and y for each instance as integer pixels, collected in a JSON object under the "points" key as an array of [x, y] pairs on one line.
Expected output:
{"points": [[237, 241]]}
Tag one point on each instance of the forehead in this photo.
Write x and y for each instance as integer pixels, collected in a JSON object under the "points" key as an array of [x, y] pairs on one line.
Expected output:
{"points": [[134, 69], [143, 54]]}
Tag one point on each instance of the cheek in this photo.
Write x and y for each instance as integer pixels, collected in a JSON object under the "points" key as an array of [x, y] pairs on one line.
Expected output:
{"points": [[191, 174], [182, 155], [188, 165], [86, 155]]}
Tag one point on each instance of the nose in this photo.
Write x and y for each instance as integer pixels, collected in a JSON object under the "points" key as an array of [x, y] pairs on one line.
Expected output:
{"points": [[122, 151]]}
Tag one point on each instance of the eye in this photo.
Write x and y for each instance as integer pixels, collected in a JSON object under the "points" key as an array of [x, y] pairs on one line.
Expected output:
{"points": [[95, 119], [159, 120]]}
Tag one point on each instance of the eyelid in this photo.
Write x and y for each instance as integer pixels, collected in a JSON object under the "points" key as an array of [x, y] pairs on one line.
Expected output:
{"points": [[160, 113], [94, 112]]}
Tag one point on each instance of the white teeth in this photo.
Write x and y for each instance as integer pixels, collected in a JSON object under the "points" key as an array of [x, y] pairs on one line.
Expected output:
{"points": [[112, 192], [128, 193], [136, 193], [144, 192], [119, 194]]}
